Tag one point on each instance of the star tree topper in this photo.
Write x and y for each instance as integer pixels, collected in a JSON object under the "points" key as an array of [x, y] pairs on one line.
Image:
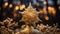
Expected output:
{"points": [[30, 15]]}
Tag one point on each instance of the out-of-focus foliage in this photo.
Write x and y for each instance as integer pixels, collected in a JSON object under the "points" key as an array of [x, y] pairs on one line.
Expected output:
{"points": [[7, 27]]}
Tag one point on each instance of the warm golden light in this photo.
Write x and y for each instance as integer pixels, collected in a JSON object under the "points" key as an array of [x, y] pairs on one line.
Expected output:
{"points": [[17, 8], [44, 10], [59, 7], [46, 18], [49, 10], [10, 6], [53, 11], [6, 4], [30, 15], [44, 2], [22, 7]]}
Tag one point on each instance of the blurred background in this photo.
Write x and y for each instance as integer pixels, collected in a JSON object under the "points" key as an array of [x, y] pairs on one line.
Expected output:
{"points": [[49, 10]]}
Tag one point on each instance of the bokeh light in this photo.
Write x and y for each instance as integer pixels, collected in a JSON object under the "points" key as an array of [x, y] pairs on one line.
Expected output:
{"points": [[44, 2], [22, 7], [45, 11], [53, 11], [59, 7], [17, 8], [49, 10], [5, 4], [10, 6]]}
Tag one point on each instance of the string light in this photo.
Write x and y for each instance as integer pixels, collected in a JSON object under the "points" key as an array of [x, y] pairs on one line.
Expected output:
{"points": [[6, 4], [49, 10], [53, 11], [17, 8], [44, 10], [10, 6], [22, 7], [44, 2]]}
